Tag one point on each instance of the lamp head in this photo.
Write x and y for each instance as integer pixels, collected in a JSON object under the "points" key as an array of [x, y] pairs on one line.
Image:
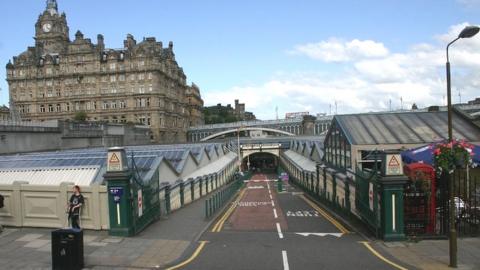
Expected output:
{"points": [[469, 31]]}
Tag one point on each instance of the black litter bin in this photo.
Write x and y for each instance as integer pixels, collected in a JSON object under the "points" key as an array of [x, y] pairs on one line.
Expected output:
{"points": [[67, 249]]}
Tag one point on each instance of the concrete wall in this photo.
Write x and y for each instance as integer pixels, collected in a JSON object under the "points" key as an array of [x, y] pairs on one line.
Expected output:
{"points": [[25, 137], [45, 206], [23, 141]]}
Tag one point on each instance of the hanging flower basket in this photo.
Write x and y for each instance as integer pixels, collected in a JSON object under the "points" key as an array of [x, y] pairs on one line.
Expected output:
{"points": [[451, 155]]}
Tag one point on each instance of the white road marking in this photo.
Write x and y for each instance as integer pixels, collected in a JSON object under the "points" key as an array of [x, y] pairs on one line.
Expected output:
{"points": [[271, 198], [273, 204], [279, 230], [275, 213], [321, 234], [285, 260], [255, 187]]}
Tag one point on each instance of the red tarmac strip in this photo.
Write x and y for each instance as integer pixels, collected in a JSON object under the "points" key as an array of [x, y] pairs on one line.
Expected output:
{"points": [[254, 212]]}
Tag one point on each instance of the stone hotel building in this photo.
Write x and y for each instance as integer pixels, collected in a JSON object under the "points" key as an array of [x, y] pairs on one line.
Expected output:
{"points": [[139, 83]]}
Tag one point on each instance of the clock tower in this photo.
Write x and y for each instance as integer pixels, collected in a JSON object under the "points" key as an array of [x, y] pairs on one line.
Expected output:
{"points": [[51, 30]]}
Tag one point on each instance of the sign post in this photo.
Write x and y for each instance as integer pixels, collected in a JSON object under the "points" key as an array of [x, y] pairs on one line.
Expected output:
{"points": [[119, 193], [392, 184]]}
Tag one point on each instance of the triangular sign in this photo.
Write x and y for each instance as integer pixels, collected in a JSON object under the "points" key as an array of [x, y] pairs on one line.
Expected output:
{"points": [[393, 162], [114, 159]]}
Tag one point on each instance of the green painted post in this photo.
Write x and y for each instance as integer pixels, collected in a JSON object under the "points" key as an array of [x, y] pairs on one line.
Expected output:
{"points": [[206, 209], [118, 177], [192, 189], [206, 185], [167, 199], [392, 184], [392, 210], [182, 194]]}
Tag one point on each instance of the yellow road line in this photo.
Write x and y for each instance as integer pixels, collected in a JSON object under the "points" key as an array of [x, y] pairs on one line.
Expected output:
{"points": [[218, 226], [189, 260], [367, 245], [332, 220]]}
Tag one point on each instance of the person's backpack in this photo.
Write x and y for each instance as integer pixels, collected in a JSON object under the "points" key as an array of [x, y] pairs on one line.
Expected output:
{"points": [[1, 201]]}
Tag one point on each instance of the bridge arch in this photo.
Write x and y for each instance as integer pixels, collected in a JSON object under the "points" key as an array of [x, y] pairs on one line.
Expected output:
{"points": [[246, 129]]}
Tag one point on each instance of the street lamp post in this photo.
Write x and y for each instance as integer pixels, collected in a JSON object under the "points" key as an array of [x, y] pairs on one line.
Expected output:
{"points": [[239, 153], [467, 32]]}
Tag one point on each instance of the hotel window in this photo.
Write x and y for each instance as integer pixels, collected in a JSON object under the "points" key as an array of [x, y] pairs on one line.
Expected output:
{"points": [[58, 108], [42, 108], [113, 66], [122, 104], [50, 108], [121, 77], [105, 105], [141, 76], [113, 78]]}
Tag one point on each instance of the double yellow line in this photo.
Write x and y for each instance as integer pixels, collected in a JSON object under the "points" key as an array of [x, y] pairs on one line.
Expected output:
{"points": [[189, 260], [322, 212], [218, 226], [367, 245]]}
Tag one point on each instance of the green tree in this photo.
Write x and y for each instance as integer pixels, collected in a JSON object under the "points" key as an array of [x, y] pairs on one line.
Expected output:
{"points": [[80, 116]]}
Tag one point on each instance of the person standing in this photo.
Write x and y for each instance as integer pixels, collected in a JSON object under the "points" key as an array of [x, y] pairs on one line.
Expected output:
{"points": [[75, 203]]}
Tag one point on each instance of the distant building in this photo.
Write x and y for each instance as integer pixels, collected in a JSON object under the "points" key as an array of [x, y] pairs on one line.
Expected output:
{"points": [[4, 113], [292, 115], [474, 102], [226, 114], [139, 83]]}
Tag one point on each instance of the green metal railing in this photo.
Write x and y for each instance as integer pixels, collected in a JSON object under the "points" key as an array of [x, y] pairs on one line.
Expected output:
{"points": [[219, 198]]}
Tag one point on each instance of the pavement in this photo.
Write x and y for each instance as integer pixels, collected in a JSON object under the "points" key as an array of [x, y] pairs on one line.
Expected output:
{"points": [[165, 242], [261, 229], [434, 254]]}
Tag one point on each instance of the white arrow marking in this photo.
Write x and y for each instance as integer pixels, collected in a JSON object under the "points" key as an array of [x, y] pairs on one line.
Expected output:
{"points": [[321, 234]]}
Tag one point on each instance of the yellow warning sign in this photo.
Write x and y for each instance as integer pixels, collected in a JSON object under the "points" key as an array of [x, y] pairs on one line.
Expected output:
{"points": [[114, 159], [393, 162], [394, 165]]}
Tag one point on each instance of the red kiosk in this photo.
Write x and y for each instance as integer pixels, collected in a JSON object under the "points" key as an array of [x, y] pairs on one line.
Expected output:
{"points": [[420, 199]]}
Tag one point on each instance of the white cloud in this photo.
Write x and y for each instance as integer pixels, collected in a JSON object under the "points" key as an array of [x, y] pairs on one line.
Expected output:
{"points": [[469, 3], [371, 80], [335, 50]]}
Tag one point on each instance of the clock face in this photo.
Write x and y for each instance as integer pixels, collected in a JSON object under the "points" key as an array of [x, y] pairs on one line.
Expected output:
{"points": [[47, 27]]}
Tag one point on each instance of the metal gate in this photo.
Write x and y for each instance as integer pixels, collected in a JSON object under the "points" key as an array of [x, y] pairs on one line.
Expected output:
{"points": [[367, 198], [466, 188]]}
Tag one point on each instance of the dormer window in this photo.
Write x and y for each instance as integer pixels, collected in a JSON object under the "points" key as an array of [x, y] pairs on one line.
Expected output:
{"points": [[56, 60], [104, 57], [121, 57], [41, 61]]}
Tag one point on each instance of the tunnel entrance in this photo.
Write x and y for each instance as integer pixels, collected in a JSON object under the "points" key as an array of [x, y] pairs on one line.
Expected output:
{"points": [[260, 162]]}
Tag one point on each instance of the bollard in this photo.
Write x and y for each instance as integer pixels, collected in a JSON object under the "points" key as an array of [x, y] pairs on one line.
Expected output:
{"points": [[206, 209], [279, 185]]}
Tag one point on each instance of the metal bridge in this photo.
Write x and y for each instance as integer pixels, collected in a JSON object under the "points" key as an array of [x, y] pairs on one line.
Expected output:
{"points": [[306, 126]]}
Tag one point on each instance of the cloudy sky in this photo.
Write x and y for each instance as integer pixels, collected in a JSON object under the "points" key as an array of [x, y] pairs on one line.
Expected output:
{"points": [[315, 56]]}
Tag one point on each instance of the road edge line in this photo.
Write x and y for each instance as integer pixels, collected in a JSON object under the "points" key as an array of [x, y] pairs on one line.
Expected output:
{"points": [[189, 260], [380, 256], [326, 215]]}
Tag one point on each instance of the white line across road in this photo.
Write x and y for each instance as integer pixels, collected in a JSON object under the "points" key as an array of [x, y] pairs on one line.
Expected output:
{"points": [[275, 213], [279, 230], [285, 260]]}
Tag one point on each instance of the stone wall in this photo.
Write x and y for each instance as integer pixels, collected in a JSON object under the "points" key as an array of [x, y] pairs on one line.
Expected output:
{"points": [[45, 206]]}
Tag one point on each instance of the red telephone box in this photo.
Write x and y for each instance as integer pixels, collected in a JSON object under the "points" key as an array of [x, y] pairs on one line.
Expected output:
{"points": [[420, 199]]}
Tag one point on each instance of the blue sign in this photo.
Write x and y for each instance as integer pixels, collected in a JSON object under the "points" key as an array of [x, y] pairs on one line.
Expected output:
{"points": [[117, 193]]}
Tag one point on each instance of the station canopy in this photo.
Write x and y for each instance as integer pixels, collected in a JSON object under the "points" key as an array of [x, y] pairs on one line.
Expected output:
{"points": [[87, 166]]}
